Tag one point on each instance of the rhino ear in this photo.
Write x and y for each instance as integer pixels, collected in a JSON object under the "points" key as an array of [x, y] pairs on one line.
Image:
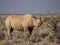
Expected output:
{"points": [[34, 17]]}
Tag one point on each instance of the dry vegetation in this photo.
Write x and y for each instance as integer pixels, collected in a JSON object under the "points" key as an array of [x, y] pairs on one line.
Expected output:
{"points": [[47, 34]]}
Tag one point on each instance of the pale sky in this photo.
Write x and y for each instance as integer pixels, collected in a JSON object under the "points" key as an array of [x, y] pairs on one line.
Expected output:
{"points": [[29, 6]]}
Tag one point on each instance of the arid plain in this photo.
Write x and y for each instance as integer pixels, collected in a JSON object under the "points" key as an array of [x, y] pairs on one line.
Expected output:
{"points": [[46, 34]]}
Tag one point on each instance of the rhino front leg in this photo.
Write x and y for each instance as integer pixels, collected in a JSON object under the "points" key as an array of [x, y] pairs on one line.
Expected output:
{"points": [[25, 31]]}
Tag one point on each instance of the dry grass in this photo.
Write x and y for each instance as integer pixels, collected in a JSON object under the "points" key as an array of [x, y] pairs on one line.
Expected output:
{"points": [[47, 34]]}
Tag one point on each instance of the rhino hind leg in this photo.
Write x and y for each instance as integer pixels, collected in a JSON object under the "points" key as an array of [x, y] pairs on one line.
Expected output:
{"points": [[11, 30]]}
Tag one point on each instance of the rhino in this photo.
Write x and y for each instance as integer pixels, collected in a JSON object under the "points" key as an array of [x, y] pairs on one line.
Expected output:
{"points": [[21, 23]]}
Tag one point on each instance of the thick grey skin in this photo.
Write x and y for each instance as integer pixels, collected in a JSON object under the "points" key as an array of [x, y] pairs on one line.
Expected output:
{"points": [[21, 21]]}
